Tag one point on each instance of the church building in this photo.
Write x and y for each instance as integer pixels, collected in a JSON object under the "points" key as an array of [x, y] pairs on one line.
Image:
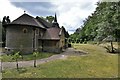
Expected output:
{"points": [[28, 34]]}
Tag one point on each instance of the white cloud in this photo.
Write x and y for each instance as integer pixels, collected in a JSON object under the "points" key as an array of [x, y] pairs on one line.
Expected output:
{"points": [[7, 9], [72, 13]]}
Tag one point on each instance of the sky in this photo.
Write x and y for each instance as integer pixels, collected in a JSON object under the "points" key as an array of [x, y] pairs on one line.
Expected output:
{"points": [[70, 13]]}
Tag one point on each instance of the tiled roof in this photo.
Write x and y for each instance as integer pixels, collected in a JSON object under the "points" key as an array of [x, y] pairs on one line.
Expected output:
{"points": [[66, 33], [26, 19], [52, 34], [43, 22]]}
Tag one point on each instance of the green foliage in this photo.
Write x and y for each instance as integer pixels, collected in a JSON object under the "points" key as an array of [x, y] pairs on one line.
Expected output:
{"points": [[35, 54], [27, 57], [3, 31], [16, 55], [48, 18], [102, 23]]}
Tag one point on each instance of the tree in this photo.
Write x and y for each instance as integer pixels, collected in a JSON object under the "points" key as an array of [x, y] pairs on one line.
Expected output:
{"points": [[109, 24], [42, 18], [1, 62], [110, 39], [103, 23], [5, 21], [16, 56], [3, 31], [50, 19], [35, 54]]}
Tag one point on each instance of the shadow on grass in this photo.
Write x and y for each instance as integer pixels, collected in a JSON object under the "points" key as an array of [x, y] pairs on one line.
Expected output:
{"points": [[112, 49], [108, 49]]}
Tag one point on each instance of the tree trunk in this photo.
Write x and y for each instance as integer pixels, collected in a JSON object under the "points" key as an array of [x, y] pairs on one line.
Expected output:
{"points": [[17, 64], [35, 62], [112, 47], [22, 56]]}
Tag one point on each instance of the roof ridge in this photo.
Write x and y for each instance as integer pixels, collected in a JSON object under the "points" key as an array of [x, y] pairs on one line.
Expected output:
{"points": [[44, 22], [26, 19], [39, 23]]}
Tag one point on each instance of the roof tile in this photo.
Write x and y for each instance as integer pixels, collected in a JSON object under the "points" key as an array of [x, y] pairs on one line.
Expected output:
{"points": [[52, 33], [26, 19]]}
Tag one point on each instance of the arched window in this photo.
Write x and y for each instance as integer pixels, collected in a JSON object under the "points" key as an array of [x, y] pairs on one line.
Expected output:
{"points": [[25, 30]]}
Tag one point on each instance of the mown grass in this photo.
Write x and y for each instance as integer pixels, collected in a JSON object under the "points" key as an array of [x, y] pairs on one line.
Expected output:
{"points": [[96, 64], [115, 44], [9, 58]]}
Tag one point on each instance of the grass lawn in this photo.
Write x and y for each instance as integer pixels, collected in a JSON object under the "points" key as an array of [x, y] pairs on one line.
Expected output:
{"points": [[9, 58], [97, 64]]}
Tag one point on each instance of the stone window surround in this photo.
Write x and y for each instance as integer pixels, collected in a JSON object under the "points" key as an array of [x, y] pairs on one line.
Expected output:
{"points": [[25, 30]]}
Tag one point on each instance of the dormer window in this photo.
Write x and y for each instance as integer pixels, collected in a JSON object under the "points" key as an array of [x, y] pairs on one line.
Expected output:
{"points": [[25, 30]]}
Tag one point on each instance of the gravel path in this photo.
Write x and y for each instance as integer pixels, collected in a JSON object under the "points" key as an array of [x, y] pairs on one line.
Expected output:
{"points": [[64, 55]]}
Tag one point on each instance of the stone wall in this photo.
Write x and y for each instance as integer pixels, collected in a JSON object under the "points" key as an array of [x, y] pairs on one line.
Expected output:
{"points": [[40, 45], [51, 46], [39, 34], [62, 40], [19, 38]]}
